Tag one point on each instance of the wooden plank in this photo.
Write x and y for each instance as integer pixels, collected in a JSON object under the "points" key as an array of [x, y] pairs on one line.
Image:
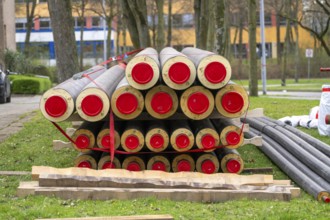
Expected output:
{"points": [[56, 180], [257, 141], [14, 173], [150, 175], [26, 188], [192, 195], [282, 182], [130, 217]]}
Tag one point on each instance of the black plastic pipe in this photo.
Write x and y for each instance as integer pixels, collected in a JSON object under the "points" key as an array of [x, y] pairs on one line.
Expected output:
{"points": [[298, 164], [303, 155], [297, 175], [321, 146], [305, 145]]}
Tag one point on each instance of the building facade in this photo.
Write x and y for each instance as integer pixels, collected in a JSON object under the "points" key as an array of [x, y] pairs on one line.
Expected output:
{"points": [[7, 28], [183, 31]]}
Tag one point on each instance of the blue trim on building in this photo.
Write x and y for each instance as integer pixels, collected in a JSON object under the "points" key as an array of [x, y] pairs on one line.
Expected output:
{"points": [[45, 30]]}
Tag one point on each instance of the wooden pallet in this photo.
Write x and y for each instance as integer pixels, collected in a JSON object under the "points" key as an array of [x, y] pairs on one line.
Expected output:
{"points": [[77, 183]]}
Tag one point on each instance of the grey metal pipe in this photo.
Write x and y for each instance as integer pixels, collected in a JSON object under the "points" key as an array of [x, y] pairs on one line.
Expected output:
{"points": [[303, 155], [311, 140], [293, 172]]}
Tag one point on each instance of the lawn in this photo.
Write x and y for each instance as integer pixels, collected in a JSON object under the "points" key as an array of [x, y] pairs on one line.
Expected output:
{"points": [[33, 146]]}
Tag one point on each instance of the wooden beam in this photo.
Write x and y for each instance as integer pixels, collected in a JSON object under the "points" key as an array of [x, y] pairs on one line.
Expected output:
{"points": [[192, 195]]}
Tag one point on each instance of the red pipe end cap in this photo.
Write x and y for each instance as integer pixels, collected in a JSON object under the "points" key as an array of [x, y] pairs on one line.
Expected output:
{"points": [[215, 72], [208, 141], [92, 105], [232, 138], [208, 167], [232, 102], [184, 166], [157, 141], [179, 73], [105, 141], [56, 106], [233, 166], [82, 141], [108, 165], [132, 142], [326, 199], [142, 73], [127, 103], [133, 166], [198, 103], [85, 164], [161, 102], [159, 166], [182, 141]]}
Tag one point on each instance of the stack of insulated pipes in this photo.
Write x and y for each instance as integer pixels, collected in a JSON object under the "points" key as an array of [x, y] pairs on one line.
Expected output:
{"points": [[174, 112]]}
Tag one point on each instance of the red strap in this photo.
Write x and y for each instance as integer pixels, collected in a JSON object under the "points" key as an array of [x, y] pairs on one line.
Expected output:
{"points": [[112, 137], [63, 132]]}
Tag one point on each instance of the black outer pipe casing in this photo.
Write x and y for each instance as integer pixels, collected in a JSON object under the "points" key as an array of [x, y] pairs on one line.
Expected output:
{"points": [[294, 161], [303, 144], [293, 172], [311, 140], [311, 161]]}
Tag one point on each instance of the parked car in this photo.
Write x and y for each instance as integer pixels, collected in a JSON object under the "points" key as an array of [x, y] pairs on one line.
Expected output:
{"points": [[5, 90]]}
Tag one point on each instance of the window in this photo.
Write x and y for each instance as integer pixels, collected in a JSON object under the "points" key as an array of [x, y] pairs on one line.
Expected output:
{"points": [[80, 22], [44, 23], [268, 19], [96, 21], [177, 20], [187, 20], [20, 26], [20, 23]]}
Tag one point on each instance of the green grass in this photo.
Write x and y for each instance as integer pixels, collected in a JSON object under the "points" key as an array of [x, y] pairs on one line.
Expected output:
{"points": [[310, 85], [33, 146]]}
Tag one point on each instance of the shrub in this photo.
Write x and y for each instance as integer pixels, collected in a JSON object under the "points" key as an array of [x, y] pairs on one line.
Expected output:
{"points": [[17, 62], [29, 85]]}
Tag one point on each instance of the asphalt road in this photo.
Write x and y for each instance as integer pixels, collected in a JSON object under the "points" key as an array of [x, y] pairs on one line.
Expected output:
{"points": [[11, 113]]}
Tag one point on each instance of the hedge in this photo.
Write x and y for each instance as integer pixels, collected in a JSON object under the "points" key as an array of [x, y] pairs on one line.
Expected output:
{"points": [[29, 85]]}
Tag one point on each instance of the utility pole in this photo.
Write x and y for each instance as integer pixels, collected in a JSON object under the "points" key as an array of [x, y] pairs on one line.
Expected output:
{"points": [[263, 48]]}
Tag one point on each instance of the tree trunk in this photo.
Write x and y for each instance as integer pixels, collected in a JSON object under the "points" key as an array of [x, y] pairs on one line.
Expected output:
{"points": [[160, 25], [169, 24], [82, 25], [297, 63], [240, 46], [278, 40], [253, 79], [203, 29], [197, 10], [220, 32], [29, 24], [227, 52], [210, 42], [287, 7], [109, 24], [64, 38], [135, 13]]}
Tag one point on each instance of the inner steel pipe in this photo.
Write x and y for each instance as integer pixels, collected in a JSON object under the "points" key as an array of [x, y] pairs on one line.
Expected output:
{"points": [[293, 172], [303, 155]]}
